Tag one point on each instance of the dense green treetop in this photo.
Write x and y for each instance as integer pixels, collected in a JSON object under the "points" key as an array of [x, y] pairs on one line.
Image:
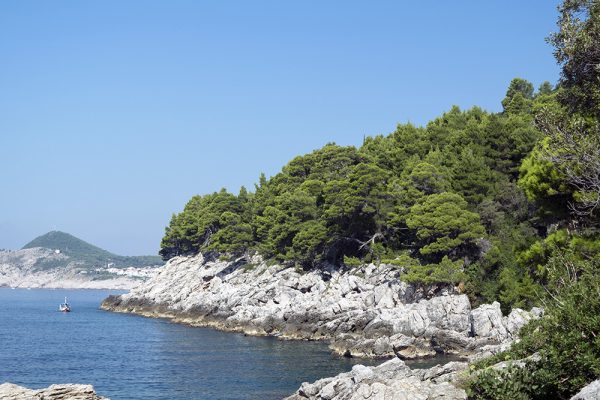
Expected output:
{"points": [[445, 227]]}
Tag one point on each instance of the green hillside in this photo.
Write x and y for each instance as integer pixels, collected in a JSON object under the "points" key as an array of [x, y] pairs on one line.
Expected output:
{"points": [[88, 254]]}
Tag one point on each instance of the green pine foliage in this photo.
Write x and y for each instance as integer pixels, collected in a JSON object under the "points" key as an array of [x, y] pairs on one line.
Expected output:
{"points": [[203, 217], [444, 227], [442, 200], [446, 271]]}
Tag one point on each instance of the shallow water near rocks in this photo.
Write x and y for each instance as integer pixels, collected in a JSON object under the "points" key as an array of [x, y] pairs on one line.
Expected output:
{"points": [[131, 357]]}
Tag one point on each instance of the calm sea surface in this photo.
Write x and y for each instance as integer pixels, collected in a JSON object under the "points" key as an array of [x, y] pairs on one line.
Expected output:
{"points": [[131, 357]]}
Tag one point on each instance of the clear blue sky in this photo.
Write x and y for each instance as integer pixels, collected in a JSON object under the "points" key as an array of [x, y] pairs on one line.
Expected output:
{"points": [[114, 113]]}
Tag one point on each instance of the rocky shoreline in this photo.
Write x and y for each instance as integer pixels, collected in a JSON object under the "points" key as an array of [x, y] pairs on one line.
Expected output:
{"points": [[395, 380], [391, 380], [366, 311]]}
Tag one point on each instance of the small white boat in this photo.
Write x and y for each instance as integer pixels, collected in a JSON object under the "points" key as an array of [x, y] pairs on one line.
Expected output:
{"points": [[64, 307]]}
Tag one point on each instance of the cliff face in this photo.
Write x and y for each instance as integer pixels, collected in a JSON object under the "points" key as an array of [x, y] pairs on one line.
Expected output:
{"points": [[366, 311]]}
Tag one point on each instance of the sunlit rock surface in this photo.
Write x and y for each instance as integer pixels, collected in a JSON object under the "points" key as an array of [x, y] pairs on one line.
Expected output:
{"points": [[366, 311], [390, 380], [589, 392]]}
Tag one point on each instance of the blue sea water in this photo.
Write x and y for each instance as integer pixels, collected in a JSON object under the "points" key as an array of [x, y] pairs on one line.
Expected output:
{"points": [[132, 357]]}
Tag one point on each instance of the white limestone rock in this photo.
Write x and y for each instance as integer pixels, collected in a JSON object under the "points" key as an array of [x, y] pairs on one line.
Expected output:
{"points": [[487, 321], [516, 320], [68, 391], [390, 380], [366, 311], [589, 392]]}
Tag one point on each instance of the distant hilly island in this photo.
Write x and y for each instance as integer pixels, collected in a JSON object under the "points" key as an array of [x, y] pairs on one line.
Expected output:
{"points": [[60, 260], [84, 253]]}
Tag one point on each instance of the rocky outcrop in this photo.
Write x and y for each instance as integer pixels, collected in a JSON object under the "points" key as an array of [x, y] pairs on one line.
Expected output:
{"points": [[39, 267], [390, 380], [366, 311], [9, 391], [589, 392], [487, 321]]}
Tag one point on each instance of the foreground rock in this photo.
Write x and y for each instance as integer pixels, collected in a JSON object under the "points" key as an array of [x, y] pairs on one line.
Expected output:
{"points": [[21, 269], [590, 392], [366, 311], [394, 380], [9, 391], [390, 380]]}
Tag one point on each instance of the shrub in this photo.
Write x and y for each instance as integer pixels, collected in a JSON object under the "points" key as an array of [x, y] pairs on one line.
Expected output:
{"points": [[566, 339], [352, 261]]}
